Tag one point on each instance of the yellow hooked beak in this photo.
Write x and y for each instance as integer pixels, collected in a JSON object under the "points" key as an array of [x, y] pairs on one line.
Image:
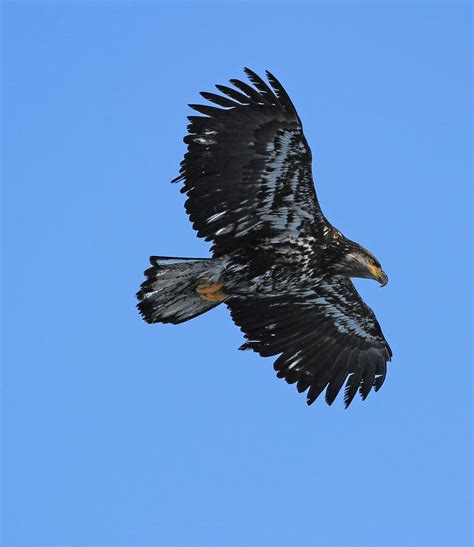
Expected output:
{"points": [[379, 275]]}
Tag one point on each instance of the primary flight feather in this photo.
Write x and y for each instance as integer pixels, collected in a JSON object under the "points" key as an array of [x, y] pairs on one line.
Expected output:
{"points": [[280, 267]]}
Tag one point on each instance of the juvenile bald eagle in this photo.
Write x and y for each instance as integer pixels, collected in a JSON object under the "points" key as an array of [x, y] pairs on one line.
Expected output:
{"points": [[277, 263]]}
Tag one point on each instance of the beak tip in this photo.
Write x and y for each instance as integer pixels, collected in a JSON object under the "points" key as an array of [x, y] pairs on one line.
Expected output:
{"points": [[383, 279]]}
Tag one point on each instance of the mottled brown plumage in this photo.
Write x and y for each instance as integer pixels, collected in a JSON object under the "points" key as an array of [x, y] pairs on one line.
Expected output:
{"points": [[278, 264]]}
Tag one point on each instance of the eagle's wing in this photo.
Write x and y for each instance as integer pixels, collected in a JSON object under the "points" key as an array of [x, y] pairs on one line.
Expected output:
{"points": [[323, 340], [247, 170]]}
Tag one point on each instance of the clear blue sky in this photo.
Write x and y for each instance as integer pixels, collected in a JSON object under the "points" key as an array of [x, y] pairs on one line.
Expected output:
{"points": [[121, 433]]}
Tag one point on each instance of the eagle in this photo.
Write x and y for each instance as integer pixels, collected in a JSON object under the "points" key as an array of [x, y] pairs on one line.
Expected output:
{"points": [[277, 263]]}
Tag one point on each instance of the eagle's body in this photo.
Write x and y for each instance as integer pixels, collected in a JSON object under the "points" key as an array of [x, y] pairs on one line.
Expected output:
{"points": [[282, 269]]}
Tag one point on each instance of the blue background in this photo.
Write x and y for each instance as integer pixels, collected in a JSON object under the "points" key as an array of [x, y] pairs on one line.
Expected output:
{"points": [[121, 433]]}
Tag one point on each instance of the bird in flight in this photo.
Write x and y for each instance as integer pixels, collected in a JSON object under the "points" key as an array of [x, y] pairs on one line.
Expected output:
{"points": [[277, 263]]}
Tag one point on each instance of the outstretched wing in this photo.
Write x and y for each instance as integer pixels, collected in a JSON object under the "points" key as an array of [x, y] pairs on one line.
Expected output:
{"points": [[323, 341], [247, 170]]}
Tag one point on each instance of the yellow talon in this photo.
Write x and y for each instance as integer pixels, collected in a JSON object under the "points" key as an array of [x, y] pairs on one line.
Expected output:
{"points": [[211, 292]]}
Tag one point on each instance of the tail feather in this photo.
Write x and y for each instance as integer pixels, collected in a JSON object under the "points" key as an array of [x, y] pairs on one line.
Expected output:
{"points": [[168, 295]]}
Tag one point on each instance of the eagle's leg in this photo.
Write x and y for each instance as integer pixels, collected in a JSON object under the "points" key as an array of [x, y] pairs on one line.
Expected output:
{"points": [[212, 292]]}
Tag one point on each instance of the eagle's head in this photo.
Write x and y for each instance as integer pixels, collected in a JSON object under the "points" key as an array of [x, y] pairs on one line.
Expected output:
{"points": [[355, 261]]}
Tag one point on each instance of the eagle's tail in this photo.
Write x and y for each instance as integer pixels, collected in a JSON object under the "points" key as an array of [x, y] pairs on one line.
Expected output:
{"points": [[178, 289]]}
